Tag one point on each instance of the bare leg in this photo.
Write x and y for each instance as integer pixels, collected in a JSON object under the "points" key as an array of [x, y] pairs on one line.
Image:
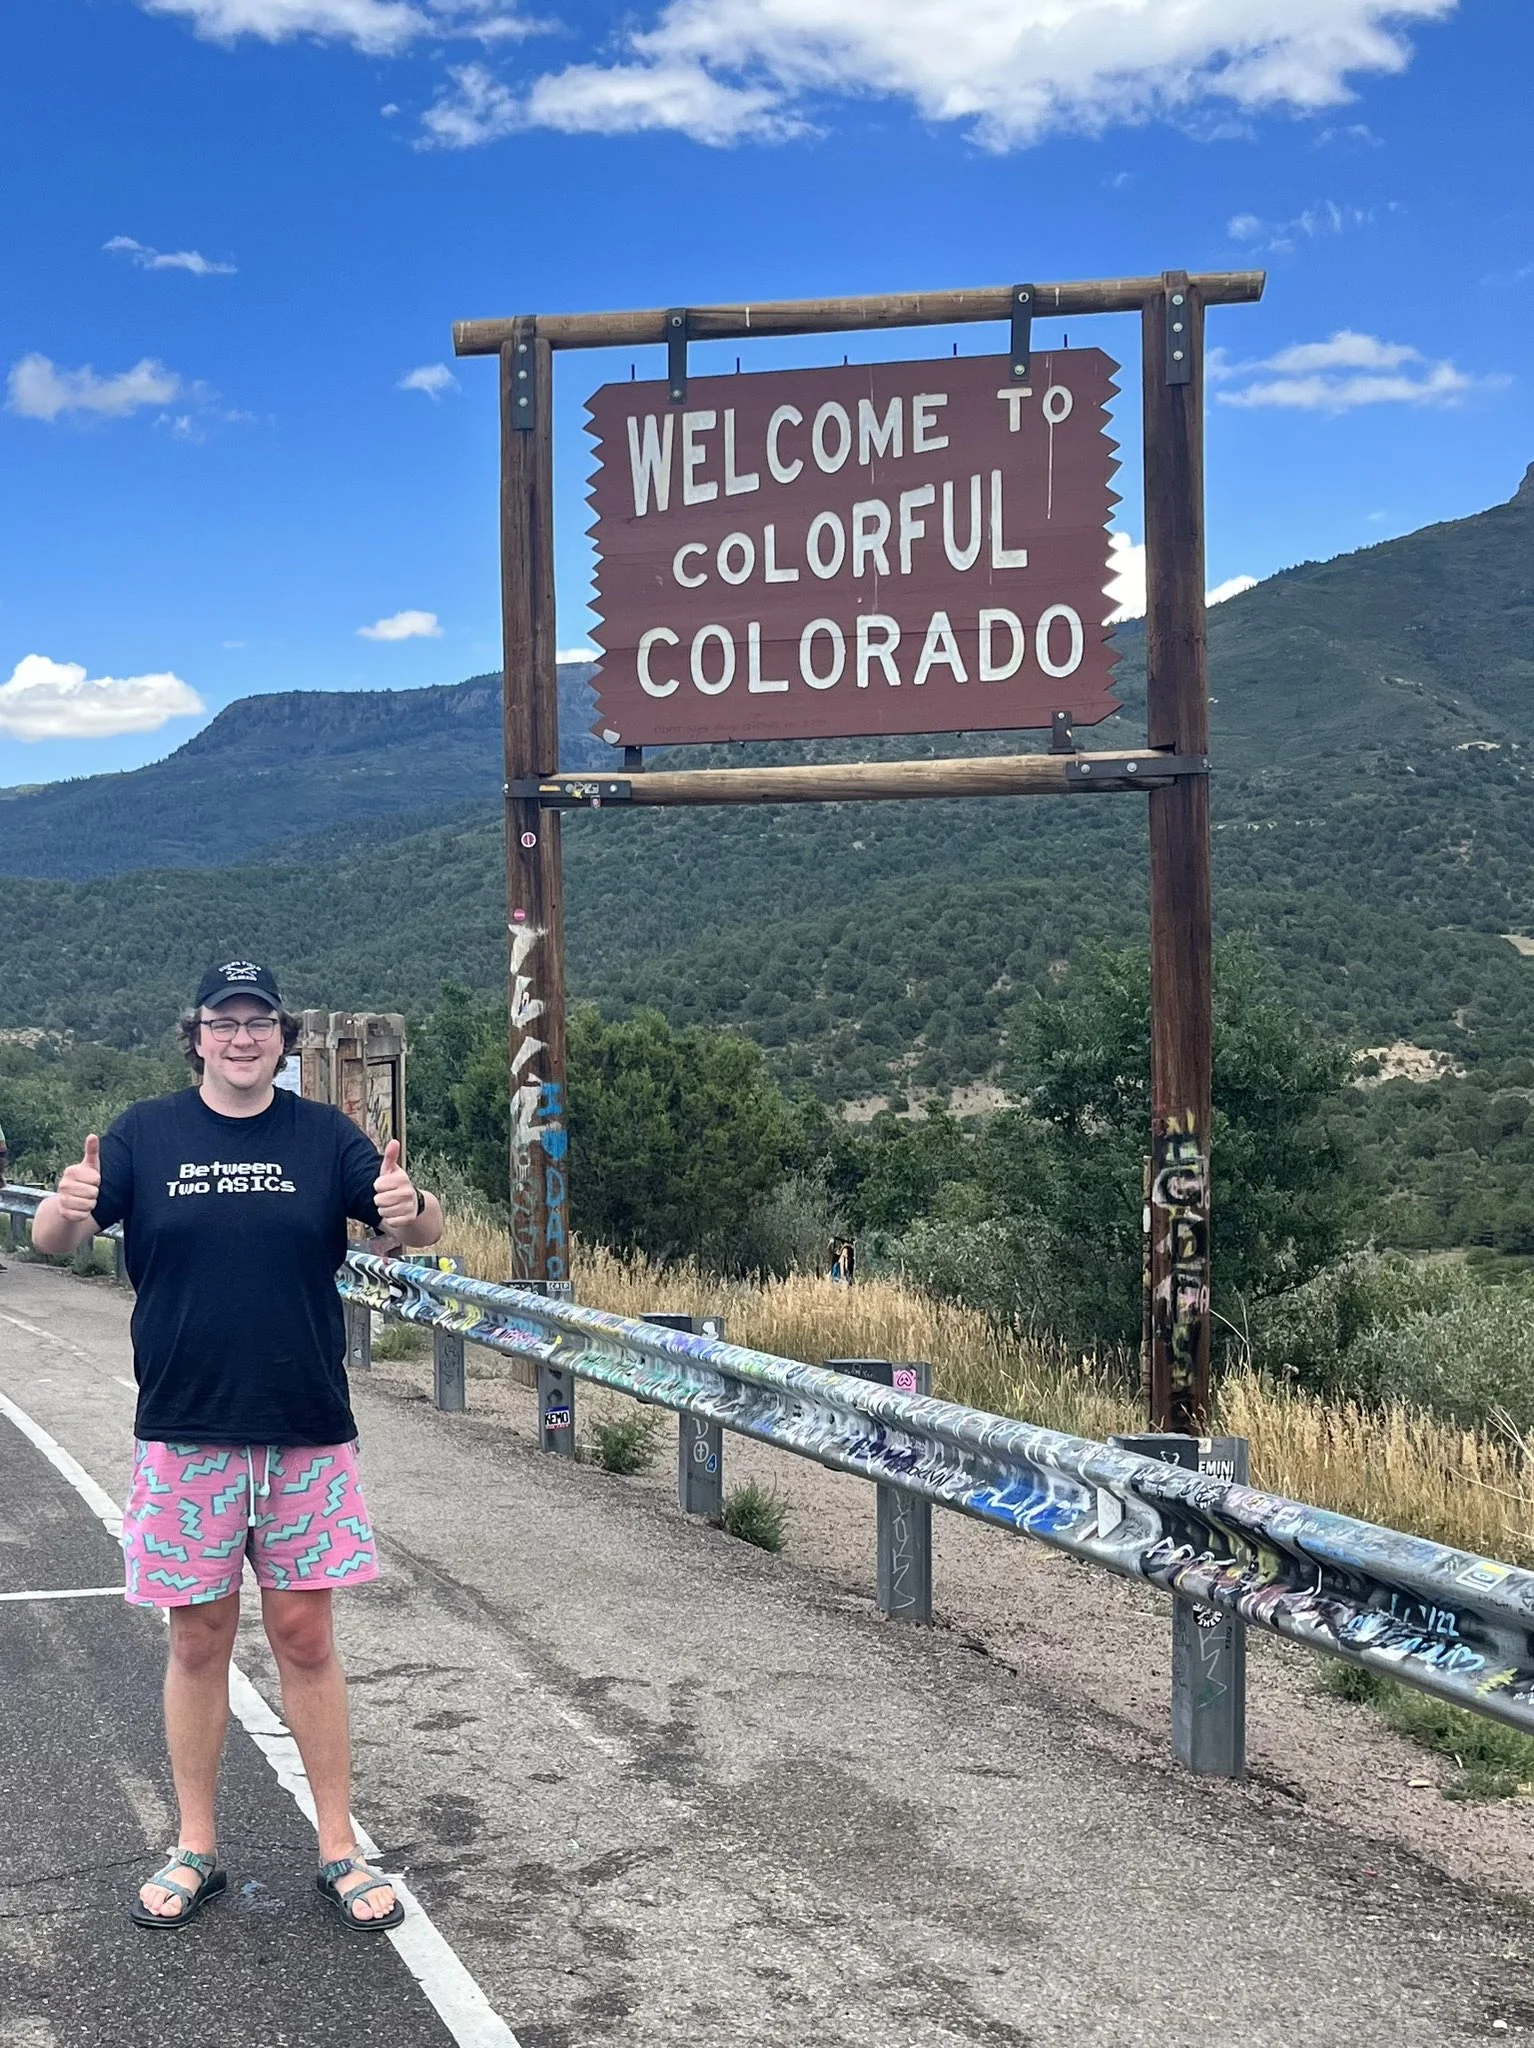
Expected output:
{"points": [[196, 1716], [298, 1627]]}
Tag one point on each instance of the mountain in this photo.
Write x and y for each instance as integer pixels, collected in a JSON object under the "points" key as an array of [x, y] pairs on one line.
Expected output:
{"points": [[1374, 753], [271, 769]]}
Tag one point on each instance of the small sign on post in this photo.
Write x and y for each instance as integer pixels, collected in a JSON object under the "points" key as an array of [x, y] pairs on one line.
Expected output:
{"points": [[556, 1410], [1208, 1645], [359, 1336], [903, 1521], [449, 1373]]}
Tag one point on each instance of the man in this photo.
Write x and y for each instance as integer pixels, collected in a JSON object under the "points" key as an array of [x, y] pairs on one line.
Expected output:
{"points": [[233, 1196]]}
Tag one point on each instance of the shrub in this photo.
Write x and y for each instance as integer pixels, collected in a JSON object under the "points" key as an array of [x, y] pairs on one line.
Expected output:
{"points": [[625, 1444], [1495, 1761], [756, 1515]]}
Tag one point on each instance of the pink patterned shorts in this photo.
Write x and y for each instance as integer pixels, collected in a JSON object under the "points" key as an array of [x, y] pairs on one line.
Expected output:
{"points": [[195, 1512]]}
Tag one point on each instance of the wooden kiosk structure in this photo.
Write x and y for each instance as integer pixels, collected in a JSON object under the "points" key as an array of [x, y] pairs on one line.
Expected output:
{"points": [[1171, 769]]}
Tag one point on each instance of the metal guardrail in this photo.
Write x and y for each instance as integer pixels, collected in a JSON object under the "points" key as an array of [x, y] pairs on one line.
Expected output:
{"points": [[19, 1199], [1443, 1620]]}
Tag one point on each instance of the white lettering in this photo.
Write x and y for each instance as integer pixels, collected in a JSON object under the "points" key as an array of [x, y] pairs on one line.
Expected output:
{"points": [[757, 684], [965, 557], [1057, 404], [650, 463], [991, 670], [1002, 557], [694, 455], [785, 416], [1014, 400], [807, 653], [733, 543], [691, 547], [771, 573], [940, 645], [876, 436], [881, 650], [1041, 640], [911, 528], [736, 484], [700, 640], [831, 414], [647, 683], [870, 530], [923, 440], [826, 522]]}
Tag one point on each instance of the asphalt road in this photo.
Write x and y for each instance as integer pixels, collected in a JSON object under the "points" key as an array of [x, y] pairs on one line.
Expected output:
{"points": [[653, 1787]]}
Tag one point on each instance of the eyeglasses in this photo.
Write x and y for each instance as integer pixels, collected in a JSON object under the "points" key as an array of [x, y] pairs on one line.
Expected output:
{"points": [[226, 1028]]}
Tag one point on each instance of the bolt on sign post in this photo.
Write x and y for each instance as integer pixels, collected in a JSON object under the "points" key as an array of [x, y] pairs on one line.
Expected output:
{"points": [[887, 548]]}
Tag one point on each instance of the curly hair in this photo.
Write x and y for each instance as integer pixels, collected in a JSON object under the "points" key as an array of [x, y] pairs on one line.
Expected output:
{"points": [[190, 1020]]}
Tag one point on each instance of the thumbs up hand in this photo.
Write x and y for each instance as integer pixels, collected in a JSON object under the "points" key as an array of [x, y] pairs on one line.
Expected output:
{"points": [[80, 1184], [394, 1192]]}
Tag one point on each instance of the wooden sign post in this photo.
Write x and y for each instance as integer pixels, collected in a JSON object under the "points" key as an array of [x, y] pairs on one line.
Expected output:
{"points": [[891, 548]]}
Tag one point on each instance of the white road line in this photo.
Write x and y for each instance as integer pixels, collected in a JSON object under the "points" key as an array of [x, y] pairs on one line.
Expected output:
{"points": [[463, 2007], [69, 1593]]}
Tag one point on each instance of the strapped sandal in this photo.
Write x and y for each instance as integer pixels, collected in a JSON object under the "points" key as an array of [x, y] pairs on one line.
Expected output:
{"points": [[340, 1903], [211, 1881]]}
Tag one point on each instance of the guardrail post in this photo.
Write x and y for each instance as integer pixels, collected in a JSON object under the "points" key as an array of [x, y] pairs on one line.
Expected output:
{"points": [[903, 1523], [556, 1410], [448, 1375], [1208, 1645], [119, 1261], [359, 1335], [699, 1442]]}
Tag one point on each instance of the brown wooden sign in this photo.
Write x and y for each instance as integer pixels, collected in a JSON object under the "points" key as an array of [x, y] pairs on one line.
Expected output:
{"points": [[904, 547]]}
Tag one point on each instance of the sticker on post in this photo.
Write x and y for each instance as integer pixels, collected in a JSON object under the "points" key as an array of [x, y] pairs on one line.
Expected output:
{"points": [[1110, 1511], [529, 839], [556, 1418], [903, 1379]]}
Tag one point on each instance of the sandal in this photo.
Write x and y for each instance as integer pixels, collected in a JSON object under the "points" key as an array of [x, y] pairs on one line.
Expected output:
{"points": [[211, 1881], [327, 1884]]}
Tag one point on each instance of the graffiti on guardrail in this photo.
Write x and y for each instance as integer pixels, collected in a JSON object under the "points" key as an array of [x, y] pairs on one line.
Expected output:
{"points": [[1448, 1622]]}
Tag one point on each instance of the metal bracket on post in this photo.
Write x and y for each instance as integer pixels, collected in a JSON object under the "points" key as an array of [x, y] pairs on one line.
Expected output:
{"points": [[1062, 740], [524, 405], [903, 1523], [1179, 333], [359, 1336], [1208, 1645], [676, 355], [556, 1410], [448, 1372], [699, 1441], [1022, 333]]}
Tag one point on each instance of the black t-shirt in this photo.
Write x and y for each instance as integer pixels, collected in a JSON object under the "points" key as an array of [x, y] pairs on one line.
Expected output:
{"points": [[233, 1228]]}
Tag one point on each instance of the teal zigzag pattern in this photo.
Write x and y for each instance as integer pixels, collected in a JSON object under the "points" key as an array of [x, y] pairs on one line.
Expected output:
{"points": [[335, 1492], [316, 1467], [216, 1461], [157, 1548], [191, 1519], [305, 1564], [298, 1528], [224, 1500], [177, 1579], [354, 1563]]}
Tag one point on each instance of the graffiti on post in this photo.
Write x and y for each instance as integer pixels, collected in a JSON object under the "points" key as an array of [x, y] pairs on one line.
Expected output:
{"points": [[538, 1191], [1180, 1249]]}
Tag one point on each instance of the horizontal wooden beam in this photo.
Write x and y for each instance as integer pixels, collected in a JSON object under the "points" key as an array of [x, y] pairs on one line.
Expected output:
{"points": [[839, 316], [862, 781]]}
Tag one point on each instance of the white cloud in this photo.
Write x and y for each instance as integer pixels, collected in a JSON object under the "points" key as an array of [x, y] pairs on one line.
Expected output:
{"points": [[374, 26], [1126, 580], [404, 626], [54, 700], [40, 390], [1283, 236], [1341, 373], [576, 654], [1011, 70], [378, 28], [432, 378], [478, 108], [156, 259]]}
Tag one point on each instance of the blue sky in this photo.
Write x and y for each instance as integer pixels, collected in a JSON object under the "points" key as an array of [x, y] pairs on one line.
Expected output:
{"points": [[237, 227]]}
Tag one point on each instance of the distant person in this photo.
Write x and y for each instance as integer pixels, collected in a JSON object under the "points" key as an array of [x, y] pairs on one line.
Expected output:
{"points": [[843, 1260], [234, 1196]]}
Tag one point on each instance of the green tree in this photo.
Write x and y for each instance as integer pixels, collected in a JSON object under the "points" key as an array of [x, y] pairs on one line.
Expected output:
{"points": [[1282, 1189], [678, 1139]]}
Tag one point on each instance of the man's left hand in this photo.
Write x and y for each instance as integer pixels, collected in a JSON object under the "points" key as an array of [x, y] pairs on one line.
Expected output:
{"points": [[394, 1192]]}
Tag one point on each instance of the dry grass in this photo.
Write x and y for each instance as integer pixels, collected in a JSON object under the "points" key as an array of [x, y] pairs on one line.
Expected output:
{"points": [[1473, 1488]]}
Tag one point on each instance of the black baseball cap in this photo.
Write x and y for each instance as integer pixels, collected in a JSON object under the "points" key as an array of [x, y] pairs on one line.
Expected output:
{"points": [[237, 978]]}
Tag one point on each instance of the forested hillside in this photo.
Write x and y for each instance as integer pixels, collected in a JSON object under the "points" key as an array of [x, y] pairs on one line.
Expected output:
{"points": [[1374, 730]]}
